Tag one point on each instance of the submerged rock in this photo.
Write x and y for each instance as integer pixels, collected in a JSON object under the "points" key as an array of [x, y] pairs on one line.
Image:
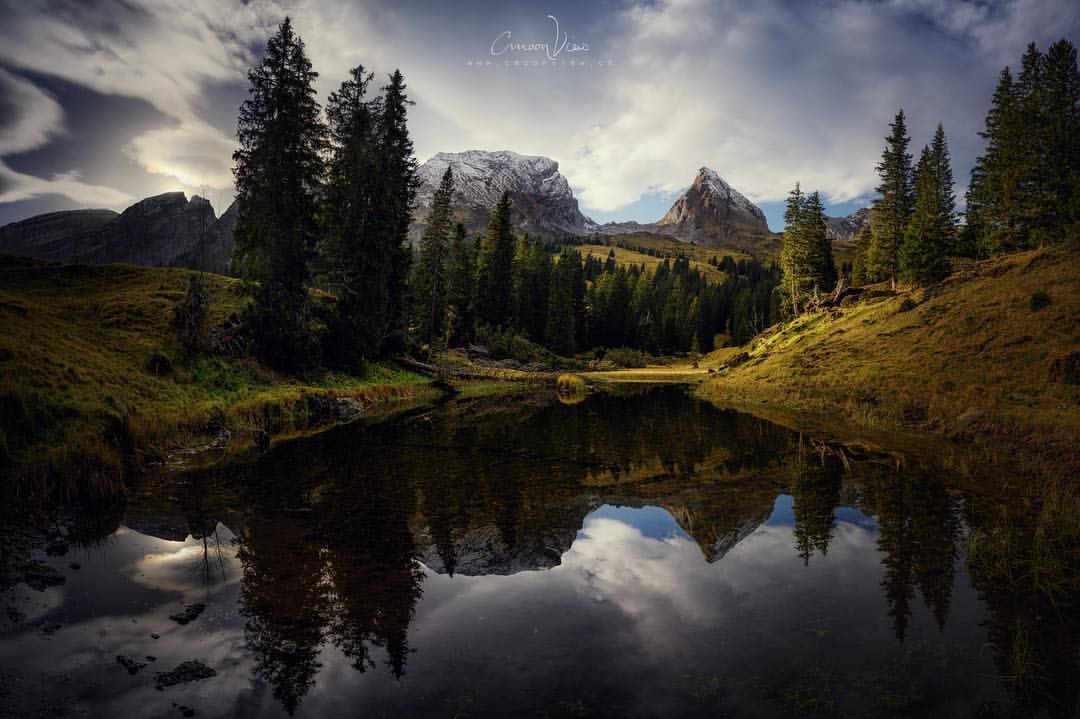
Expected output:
{"points": [[191, 613], [189, 671], [131, 665]]}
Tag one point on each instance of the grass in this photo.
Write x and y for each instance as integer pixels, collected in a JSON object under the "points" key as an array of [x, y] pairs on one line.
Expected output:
{"points": [[89, 364], [972, 357], [625, 256]]}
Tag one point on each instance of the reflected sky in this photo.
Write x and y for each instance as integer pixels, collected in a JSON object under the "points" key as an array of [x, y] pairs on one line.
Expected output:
{"points": [[535, 560], [633, 619]]}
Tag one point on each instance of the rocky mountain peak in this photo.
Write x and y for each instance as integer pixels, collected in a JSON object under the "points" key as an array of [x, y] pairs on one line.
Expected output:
{"points": [[544, 204], [712, 209], [844, 229]]}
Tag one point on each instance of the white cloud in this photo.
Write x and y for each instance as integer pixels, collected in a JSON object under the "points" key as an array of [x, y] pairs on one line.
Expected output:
{"points": [[766, 92], [16, 186], [30, 119]]}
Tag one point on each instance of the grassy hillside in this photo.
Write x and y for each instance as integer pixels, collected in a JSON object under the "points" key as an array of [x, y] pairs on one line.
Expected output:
{"points": [[89, 361], [632, 257], [993, 351]]}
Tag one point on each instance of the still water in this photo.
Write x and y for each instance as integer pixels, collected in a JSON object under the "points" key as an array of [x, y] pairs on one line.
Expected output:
{"points": [[638, 554]]}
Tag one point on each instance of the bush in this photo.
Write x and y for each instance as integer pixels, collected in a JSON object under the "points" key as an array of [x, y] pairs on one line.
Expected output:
{"points": [[1038, 300], [908, 305], [626, 357], [569, 384]]}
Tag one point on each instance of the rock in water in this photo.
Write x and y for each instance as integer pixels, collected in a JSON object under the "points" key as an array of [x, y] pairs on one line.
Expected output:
{"points": [[190, 671], [191, 612]]}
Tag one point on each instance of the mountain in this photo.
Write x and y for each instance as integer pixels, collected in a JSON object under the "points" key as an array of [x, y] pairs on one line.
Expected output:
{"points": [[711, 212], [213, 252], [844, 229], [56, 236], [162, 230], [544, 205]]}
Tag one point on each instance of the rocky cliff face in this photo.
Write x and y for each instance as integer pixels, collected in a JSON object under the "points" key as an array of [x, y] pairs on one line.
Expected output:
{"points": [[711, 212], [57, 236], [165, 229], [213, 252], [154, 231], [544, 205], [844, 229]]}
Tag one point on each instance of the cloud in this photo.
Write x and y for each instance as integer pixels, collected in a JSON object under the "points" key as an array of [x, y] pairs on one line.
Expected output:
{"points": [[165, 53], [766, 92], [29, 118]]}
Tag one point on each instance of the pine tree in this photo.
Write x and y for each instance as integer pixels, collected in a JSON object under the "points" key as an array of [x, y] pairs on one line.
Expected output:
{"points": [[279, 172], [894, 206], [559, 335], [459, 288], [821, 267], [1024, 188], [806, 254], [793, 250], [994, 193], [930, 235], [397, 175], [532, 277], [352, 263], [430, 274], [495, 268], [1062, 137]]}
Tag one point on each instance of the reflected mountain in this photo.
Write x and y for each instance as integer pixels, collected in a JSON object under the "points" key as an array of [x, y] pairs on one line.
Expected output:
{"points": [[341, 539]]}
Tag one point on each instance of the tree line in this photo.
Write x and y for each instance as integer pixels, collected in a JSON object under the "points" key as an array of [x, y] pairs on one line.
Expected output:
{"points": [[551, 296], [1024, 190]]}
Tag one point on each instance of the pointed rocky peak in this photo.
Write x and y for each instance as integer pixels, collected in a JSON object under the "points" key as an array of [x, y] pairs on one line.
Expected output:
{"points": [[711, 208]]}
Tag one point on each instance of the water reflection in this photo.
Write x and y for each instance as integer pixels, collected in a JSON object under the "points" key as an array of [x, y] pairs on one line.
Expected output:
{"points": [[639, 554]]}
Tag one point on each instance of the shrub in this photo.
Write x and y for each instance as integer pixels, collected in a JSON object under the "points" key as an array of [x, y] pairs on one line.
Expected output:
{"points": [[907, 305], [570, 384], [626, 357], [1038, 300]]}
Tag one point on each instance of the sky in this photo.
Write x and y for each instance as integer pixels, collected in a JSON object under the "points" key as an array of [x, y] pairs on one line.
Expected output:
{"points": [[103, 102]]}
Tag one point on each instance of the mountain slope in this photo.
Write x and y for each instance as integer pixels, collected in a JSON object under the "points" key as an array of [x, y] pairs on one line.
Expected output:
{"points": [[58, 236], [844, 229], [978, 354], [544, 205], [163, 230]]}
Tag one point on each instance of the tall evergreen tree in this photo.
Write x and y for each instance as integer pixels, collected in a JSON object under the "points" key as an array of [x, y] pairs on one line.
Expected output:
{"points": [[994, 193], [806, 254], [430, 275], [352, 263], [793, 249], [397, 175], [532, 278], [821, 266], [459, 288], [279, 172], [1025, 188], [931, 234], [559, 334], [894, 206], [495, 268], [1062, 137]]}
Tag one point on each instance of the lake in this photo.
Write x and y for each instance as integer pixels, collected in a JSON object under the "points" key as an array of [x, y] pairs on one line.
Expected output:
{"points": [[640, 553]]}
